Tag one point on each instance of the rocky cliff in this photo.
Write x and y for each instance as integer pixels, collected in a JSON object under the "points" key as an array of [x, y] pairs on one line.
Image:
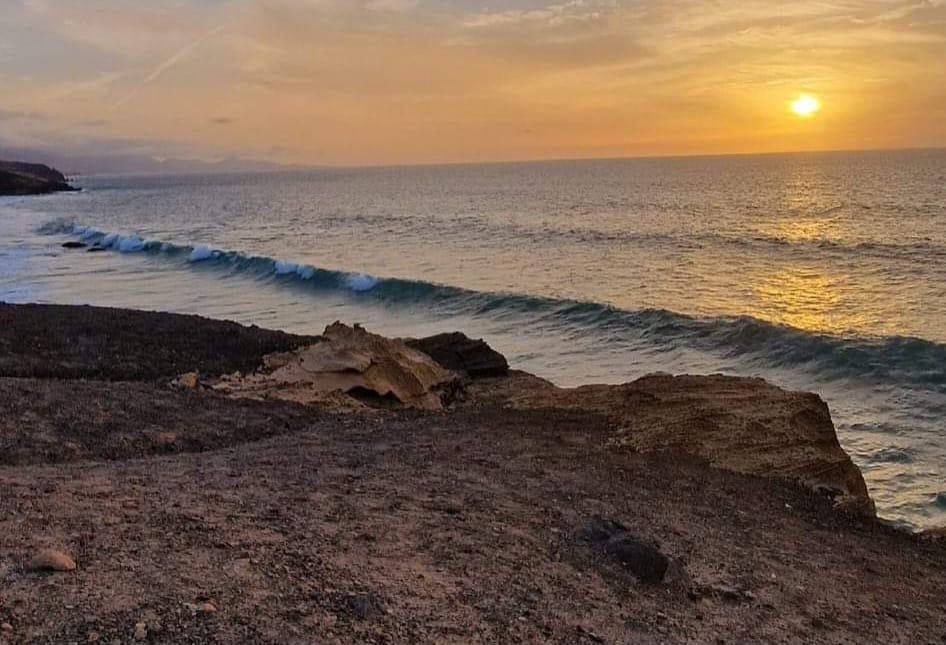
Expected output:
{"points": [[19, 178]]}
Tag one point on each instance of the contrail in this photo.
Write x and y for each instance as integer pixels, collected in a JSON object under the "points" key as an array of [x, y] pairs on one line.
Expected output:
{"points": [[167, 64]]}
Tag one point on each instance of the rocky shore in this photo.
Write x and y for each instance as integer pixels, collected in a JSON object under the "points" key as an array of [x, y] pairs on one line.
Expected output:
{"points": [[169, 478], [19, 178]]}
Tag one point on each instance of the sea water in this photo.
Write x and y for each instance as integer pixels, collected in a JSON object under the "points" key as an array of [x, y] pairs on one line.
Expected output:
{"points": [[823, 272]]}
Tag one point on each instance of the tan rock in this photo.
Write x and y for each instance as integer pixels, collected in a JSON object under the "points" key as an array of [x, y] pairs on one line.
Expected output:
{"points": [[141, 631], [52, 560], [189, 380], [6, 627], [368, 368], [206, 608], [744, 425]]}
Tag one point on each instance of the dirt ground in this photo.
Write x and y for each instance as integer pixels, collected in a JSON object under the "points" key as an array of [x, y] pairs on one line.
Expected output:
{"points": [[299, 525]]}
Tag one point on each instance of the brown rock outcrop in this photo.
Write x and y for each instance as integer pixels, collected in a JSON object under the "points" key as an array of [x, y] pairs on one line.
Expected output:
{"points": [[745, 425], [366, 367]]}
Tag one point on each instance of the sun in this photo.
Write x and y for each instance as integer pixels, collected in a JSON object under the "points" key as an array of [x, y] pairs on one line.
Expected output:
{"points": [[805, 105]]}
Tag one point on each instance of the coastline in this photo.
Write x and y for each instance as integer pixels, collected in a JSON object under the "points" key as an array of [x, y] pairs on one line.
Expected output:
{"points": [[397, 524], [19, 179]]}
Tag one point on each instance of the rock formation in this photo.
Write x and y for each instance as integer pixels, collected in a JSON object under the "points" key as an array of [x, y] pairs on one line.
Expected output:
{"points": [[458, 352], [744, 425], [349, 361], [18, 178]]}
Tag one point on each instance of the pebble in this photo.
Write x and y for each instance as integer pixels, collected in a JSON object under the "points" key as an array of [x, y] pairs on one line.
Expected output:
{"points": [[6, 627], [52, 560], [165, 439], [207, 608], [141, 631], [190, 380]]}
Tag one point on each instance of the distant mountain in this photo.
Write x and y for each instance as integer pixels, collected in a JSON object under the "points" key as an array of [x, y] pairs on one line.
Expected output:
{"points": [[19, 178], [120, 163]]}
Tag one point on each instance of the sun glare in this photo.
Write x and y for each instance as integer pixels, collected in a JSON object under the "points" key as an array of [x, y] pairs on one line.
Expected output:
{"points": [[805, 105]]}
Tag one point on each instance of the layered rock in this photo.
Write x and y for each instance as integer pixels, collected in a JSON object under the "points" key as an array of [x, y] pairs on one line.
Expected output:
{"points": [[347, 367], [744, 425]]}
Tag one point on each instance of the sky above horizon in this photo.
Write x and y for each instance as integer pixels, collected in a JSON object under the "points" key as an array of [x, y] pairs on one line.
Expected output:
{"points": [[418, 81]]}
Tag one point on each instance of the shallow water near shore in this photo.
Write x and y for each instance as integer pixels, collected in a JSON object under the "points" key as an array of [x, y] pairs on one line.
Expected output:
{"points": [[821, 272]]}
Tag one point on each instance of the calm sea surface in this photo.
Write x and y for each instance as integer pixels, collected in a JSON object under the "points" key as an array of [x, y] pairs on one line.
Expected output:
{"points": [[822, 272]]}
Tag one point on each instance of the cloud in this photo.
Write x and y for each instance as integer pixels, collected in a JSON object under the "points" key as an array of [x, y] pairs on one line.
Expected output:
{"points": [[17, 115], [167, 64], [553, 15], [396, 6], [366, 81]]}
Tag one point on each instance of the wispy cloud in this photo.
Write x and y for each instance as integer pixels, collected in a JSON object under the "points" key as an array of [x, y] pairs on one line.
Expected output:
{"points": [[354, 81]]}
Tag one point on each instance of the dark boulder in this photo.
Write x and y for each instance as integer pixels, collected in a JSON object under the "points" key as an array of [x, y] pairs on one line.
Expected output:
{"points": [[639, 557], [459, 353], [74, 245]]}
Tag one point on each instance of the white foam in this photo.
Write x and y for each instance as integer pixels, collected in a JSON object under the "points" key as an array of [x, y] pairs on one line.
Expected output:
{"points": [[361, 282], [201, 253], [305, 271], [285, 267]]}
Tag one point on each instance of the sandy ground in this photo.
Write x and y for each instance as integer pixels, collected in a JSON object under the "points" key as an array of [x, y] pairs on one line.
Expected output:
{"points": [[302, 526]]}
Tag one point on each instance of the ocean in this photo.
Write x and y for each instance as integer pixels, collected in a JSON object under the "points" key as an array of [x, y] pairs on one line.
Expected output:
{"points": [[817, 271]]}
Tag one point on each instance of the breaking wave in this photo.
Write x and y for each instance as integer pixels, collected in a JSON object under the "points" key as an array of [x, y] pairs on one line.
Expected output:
{"points": [[913, 362]]}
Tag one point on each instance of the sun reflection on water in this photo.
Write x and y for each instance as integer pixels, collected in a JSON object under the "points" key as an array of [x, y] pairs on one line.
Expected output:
{"points": [[803, 298]]}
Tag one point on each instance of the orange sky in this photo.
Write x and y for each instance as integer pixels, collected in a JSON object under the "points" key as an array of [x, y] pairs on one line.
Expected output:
{"points": [[413, 81]]}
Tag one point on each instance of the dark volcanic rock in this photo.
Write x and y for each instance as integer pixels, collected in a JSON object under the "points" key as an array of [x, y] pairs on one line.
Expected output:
{"points": [[54, 341], [74, 245], [459, 353], [642, 559], [18, 178]]}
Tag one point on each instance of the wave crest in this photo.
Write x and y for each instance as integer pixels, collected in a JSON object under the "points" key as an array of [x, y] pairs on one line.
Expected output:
{"points": [[908, 361]]}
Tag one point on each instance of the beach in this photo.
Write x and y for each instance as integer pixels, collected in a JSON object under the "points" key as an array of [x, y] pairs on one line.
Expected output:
{"points": [[195, 516]]}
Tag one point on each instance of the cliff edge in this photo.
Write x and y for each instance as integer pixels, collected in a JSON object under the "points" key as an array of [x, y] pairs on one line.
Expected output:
{"points": [[19, 178]]}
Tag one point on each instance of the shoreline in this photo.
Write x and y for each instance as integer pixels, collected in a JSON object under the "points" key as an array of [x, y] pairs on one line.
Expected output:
{"points": [[395, 524]]}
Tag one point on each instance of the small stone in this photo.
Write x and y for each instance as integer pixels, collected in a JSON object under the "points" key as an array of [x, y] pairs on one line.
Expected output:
{"points": [[165, 439], [93, 637], [141, 631], [52, 560], [6, 627], [206, 608], [189, 380]]}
